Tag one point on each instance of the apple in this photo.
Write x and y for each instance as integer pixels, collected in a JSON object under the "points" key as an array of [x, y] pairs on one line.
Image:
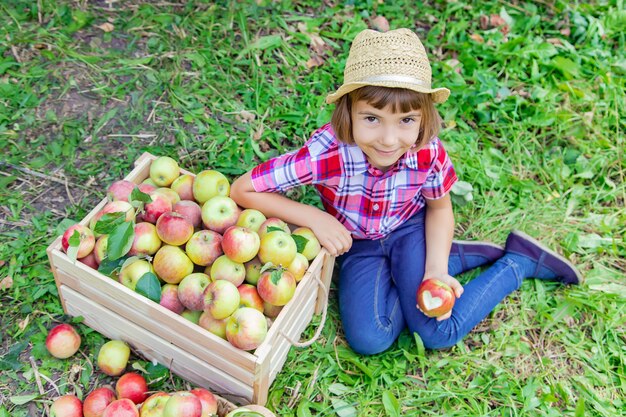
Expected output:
{"points": [[131, 273], [208, 401], [113, 207], [113, 357], [121, 408], [435, 298], [277, 247], [66, 406], [154, 405], [183, 186], [171, 264], [120, 190], [312, 247], [249, 297], [221, 298], [251, 410], [86, 236], [190, 210], [97, 401], [204, 247], [170, 300], [63, 341], [251, 218], [226, 269], [246, 328], [240, 244], [163, 171], [219, 213], [146, 240], [90, 260], [147, 187], [276, 286], [169, 193], [253, 271], [192, 315], [153, 210], [100, 248], [215, 326], [183, 404], [271, 311], [174, 229], [208, 184], [273, 222], [133, 386], [191, 290], [298, 266]]}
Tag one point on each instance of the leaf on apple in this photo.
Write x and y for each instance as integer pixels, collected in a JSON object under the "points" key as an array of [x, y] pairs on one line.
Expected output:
{"points": [[268, 265], [148, 286], [274, 229], [120, 240], [108, 266], [276, 275], [138, 198], [74, 243], [107, 223], [301, 242]]}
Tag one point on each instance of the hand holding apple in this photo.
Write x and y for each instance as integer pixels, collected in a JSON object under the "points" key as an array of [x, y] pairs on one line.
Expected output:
{"points": [[435, 298]]}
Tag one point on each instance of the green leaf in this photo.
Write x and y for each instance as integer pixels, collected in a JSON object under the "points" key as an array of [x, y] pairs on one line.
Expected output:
{"points": [[5, 181], [338, 389], [276, 276], [108, 266], [569, 68], [391, 404], [120, 240], [107, 223], [342, 408], [138, 195], [303, 409], [148, 286], [11, 359], [74, 241], [22, 399], [274, 229], [301, 242]]}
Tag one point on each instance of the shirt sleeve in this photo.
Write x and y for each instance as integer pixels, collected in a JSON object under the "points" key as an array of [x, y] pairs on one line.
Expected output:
{"points": [[283, 172], [442, 175]]}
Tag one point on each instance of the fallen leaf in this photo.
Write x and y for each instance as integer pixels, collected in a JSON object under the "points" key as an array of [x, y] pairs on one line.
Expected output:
{"points": [[496, 20], [565, 31], [23, 323], [315, 61], [106, 27], [6, 283], [380, 23], [318, 44], [2, 262], [555, 41], [477, 38], [246, 116]]}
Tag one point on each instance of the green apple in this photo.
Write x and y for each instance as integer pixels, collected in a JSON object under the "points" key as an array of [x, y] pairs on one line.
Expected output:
{"points": [[208, 184], [113, 357], [163, 171]]}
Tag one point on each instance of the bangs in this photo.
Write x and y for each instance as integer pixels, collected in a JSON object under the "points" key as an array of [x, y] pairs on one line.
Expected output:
{"points": [[399, 100]]}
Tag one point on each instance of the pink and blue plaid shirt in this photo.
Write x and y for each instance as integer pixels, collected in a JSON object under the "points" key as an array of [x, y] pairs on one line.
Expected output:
{"points": [[368, 202]]}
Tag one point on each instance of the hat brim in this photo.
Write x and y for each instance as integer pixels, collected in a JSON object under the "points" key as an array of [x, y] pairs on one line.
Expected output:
{"points": [[439, 95]]}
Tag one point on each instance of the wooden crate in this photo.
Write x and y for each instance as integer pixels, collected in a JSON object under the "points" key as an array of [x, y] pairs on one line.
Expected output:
{"points": [[185, 348]]}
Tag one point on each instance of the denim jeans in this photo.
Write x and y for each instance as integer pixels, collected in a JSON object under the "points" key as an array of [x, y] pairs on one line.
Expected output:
{"points": [[378, 281]]}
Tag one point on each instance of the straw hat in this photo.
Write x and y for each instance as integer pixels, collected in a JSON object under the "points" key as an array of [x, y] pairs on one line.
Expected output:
{"points": [[395, 59]]}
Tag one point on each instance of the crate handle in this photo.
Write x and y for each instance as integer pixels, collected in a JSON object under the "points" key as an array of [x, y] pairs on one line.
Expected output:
{"points": [[320, 327]]}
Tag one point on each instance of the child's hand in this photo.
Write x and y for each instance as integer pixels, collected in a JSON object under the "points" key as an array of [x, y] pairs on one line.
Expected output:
{"points": [[456, 287], [332, 235]]}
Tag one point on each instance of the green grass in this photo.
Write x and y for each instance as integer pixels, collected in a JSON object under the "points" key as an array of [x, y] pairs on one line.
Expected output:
{"points": [[535, 125]]}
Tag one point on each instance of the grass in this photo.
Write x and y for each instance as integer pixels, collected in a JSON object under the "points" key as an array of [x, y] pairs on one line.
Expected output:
{"points": [[535, 126]]}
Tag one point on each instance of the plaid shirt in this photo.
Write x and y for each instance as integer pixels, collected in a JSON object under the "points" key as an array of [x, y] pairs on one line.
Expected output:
{"points": [[368, 202]]}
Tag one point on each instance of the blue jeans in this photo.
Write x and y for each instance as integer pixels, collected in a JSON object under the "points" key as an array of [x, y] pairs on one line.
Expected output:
{"points": [[378, 281]]}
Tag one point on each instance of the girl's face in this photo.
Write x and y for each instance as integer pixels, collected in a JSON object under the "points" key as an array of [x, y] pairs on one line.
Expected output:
{"points": [[382, 135]]}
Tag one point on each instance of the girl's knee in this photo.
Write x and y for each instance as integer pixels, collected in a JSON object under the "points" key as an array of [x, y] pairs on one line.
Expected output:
{"points": [[365, 343]]}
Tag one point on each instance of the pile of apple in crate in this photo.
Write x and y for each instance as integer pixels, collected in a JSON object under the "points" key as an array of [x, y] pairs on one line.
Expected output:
{"points": [[181, 241]]}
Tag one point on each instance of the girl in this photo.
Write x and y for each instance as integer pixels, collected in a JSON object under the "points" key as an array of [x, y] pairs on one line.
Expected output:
{"points": [[384, 180]]}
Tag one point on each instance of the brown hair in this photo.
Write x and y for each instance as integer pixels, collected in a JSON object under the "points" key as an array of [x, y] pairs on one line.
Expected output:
{"points": [[401, 100]]}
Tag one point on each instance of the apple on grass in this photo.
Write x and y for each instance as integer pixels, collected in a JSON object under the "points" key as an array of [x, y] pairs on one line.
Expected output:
{"points": [[183, 404], [190, 210], [154, 209], [434, 297], [113, 357], [221, 298], [191, 290], [312, 247], [131, 273], [174, 229], [66, 406], [183, 186], [86, 243], [249, 297], [213, 325], [63, 341], [276, 286], [204, 247], [219, 213], [208, 184], [240, 244], [226, 269], [146, 240], [154, 405], [133, 386], [171, 264], [277, 247], [97, 401], [251, 218], [170, 300], [120, 190], [121, 408], [246, 328], [163, 171], [208, 401], [273, 222]]}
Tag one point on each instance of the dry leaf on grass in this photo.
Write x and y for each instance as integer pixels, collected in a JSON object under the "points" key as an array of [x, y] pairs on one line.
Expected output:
{"points": [[380, 23], [6, 283], [106, 27], [315, 61], [245, 116]]}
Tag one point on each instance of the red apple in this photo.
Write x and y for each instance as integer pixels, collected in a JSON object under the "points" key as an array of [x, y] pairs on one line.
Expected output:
{"points": [[312, 247], [133, 386], [208, 184], [66, 406], [273, 222], [170, 300], [63, 341], [191, 290], [113, 357], [253, 271], [227, 269], [183, 186], [163, 171], [113, 207], [146, 187], [190, 210], [435, 298], [204, 247], [277, 247], [121, 408], [251, 218], [169, 193], [153, 210], [90, 260], [298, 266], [240, 244], [154, 405], [249, 297], [208, 400], [246, 328], [192, 315], [276, 286], [183, 404], [174, 229], [146, 240], [86, 236], [271, 311], [215, 326], [131, 273], [120, 190], [171, 264], [221, 298], [97, 401], [219, 213]]}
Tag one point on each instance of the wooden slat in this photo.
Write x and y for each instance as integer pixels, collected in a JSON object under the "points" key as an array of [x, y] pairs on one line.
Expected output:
{"points": [[326, 277], [152, 347]]}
